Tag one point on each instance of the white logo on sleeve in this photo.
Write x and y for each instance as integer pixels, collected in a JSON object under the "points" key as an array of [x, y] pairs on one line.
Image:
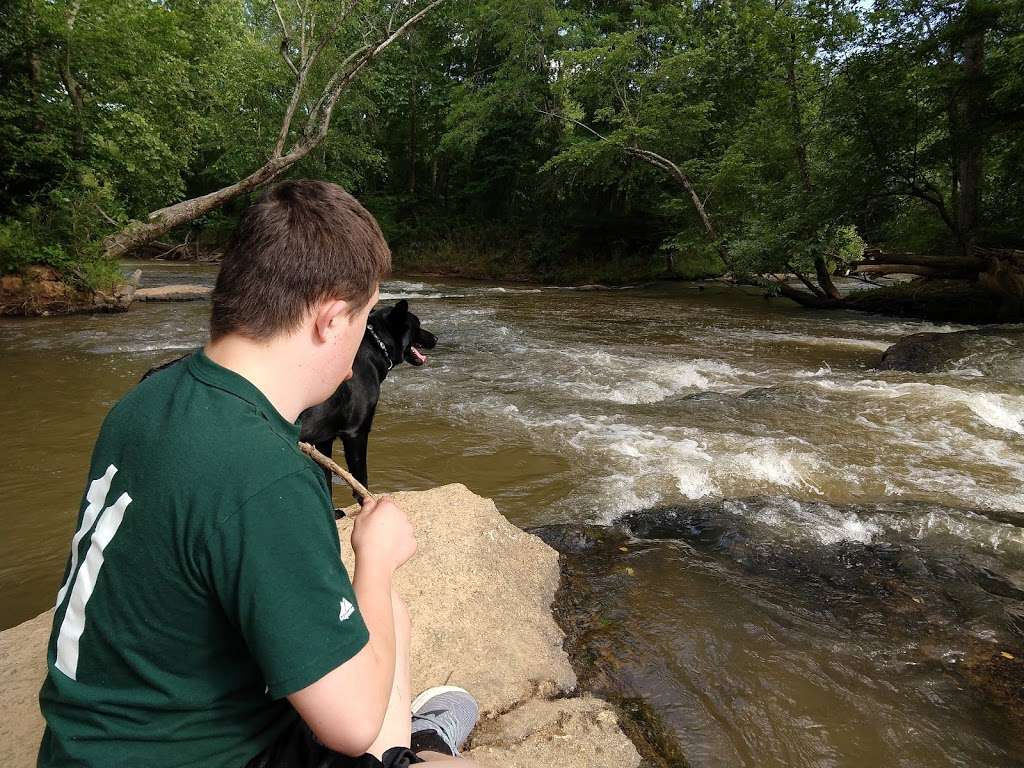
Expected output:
{"points": [[347, 609]]}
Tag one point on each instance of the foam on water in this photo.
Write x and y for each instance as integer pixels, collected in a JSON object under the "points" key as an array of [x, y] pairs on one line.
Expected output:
{"points": [[633, 380], [818, 341], [413, 296], [996, 410], [823, 523], [617, 402]]}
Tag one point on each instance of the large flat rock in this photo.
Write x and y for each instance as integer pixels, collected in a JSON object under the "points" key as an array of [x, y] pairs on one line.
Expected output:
{"points": [[480, 592], [568, 733], [22, 668]]}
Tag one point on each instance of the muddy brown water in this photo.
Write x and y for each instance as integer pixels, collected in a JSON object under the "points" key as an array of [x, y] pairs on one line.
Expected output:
{"points": [[759, 631]]}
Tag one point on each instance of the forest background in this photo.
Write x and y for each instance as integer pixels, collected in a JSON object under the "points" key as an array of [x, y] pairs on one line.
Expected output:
{"points": [[538, 139]]}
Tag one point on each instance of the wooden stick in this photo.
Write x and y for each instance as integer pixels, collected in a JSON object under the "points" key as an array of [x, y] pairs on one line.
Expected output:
{"points": [[333, 466]]}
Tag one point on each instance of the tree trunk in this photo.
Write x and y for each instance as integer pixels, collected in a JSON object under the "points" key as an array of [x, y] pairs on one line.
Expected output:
{"points": [[913, 269], [163, 221], [970, 142], [800, 146], [74, 88], [35, 77], [412, 137]]}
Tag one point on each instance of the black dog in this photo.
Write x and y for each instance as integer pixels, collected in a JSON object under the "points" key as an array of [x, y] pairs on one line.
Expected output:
{"points": [[393, 335]]}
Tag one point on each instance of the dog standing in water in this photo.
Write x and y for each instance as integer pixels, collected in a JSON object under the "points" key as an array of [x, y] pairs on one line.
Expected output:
{"points": [[393, 336]]}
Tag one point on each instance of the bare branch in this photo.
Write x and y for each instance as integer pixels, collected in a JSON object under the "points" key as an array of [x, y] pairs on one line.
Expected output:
{"points": [[331, 32], [285, 40], [106, 216], [574, 122], [325, 105], [805, 280], [293, 104]]}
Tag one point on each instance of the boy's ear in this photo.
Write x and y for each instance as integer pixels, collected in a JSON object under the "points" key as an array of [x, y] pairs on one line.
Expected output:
{"points": [[329, 318]]}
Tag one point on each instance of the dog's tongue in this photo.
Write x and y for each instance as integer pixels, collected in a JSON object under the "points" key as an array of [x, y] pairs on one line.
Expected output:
{"points": [[420, 357]]}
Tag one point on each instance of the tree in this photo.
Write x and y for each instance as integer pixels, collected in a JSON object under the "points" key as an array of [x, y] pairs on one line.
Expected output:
{"points": [[302, 46]]}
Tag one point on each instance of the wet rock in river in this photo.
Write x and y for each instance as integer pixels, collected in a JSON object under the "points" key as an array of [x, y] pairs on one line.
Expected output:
{"points": [[185, 292], [572, 539], [919, 585], [923, 352], [931, 352]]}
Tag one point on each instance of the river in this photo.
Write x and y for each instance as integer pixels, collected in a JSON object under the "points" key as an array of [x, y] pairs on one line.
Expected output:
{"points": [[854, 536]]}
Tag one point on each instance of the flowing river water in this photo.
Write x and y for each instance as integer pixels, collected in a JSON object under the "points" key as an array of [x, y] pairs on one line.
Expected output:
{"points": [[846, 544]]}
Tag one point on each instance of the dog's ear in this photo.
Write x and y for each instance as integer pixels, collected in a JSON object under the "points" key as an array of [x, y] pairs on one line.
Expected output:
{"points": [[399, 314]]}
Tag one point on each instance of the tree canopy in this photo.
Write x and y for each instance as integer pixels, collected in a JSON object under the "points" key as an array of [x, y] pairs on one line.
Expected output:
{"points": [[755, 136]]}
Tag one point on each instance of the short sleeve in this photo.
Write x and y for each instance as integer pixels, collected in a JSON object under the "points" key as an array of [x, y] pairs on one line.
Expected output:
{"points": [[276, 568]]}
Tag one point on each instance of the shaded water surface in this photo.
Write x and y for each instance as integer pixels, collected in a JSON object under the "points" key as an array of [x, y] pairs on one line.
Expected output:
{"points": [[848, 536]]}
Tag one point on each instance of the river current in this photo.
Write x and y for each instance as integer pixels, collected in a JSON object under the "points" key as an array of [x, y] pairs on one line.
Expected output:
{"points": [[852, 542]]}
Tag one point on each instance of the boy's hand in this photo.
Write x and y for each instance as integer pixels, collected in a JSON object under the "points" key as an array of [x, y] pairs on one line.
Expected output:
{"points": [[382, 536]]}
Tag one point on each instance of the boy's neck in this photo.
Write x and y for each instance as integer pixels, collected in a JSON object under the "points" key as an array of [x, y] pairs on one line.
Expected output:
{"points": [[273, 367]]}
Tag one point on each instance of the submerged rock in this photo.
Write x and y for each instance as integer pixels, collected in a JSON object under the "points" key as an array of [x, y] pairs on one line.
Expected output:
{"points": [[480, 592], [925, 591]]}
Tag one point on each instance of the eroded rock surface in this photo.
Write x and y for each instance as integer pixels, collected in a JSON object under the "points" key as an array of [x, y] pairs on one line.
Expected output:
{"points": [[42, 291]]}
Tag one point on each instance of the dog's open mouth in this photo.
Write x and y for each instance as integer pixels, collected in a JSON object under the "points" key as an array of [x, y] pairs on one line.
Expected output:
{"points": [[418, 357]]}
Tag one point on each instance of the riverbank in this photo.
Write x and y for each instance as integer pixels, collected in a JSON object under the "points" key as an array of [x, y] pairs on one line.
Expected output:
{"points": [[43, 291], [447, 259], [480, 592]]}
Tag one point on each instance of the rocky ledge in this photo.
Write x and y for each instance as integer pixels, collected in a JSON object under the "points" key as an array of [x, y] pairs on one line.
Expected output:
{"points": [[480, 593]]}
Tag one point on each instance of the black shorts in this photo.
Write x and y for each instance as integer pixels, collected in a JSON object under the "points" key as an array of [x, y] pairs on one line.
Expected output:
{"points": [[297, 747]]}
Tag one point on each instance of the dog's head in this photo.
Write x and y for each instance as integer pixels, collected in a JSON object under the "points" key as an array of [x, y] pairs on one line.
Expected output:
{"points": [[402, 328]]}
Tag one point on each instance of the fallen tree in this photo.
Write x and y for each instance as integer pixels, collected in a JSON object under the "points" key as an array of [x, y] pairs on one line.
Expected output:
{"points": [[301, 49], [985, 286]]}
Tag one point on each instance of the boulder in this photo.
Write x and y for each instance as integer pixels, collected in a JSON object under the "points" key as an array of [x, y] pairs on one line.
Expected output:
{"points": [[923, 352], [932, 352], [480, 592]]}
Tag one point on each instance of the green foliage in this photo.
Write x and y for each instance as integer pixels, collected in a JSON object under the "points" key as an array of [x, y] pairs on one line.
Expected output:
{"points": [[64, 231], [804, 126]]}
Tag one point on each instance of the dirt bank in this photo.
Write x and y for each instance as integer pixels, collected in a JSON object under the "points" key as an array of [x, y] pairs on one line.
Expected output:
{"points": [[42, 291]]}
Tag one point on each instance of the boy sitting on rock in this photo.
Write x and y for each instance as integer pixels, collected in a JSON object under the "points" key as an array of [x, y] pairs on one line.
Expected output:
{"points": [[205, 618]]}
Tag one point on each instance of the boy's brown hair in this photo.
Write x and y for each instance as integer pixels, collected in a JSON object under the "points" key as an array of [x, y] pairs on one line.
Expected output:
{"points": [[302, 242]]}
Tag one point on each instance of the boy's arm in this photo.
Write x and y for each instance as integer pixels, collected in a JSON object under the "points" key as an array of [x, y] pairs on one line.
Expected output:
{"points": [[345, 708]]}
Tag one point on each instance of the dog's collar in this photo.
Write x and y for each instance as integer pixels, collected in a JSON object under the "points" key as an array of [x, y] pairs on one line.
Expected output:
{"points": [[384, 349]]}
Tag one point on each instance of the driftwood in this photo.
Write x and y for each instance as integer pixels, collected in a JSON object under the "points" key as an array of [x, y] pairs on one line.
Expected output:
{"points": [[1000, 270], [333, 466]]}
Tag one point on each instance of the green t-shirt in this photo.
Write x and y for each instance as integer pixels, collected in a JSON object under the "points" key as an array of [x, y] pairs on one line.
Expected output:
{"points": [[204, 584]]}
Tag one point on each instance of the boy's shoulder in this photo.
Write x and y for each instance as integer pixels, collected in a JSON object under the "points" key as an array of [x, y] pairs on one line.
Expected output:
{"points": [[179, 430]]}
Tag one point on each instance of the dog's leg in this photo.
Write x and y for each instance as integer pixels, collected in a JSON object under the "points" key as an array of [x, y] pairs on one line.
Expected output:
{"points": [[355, 457]]}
